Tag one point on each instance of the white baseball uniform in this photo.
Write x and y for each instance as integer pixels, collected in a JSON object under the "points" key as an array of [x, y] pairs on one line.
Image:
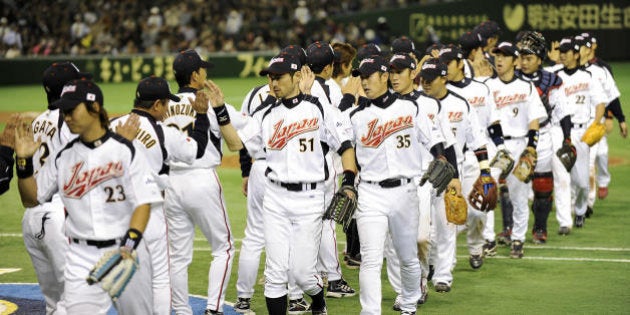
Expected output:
{"points": [[388, 134], [160, 145], [296, 133], [479, 225], [201, 204], [518, 104], [100, 184], [43, 225], [583, 94]]}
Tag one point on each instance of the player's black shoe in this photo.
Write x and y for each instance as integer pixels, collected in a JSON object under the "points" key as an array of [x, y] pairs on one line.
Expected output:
{"points": [[505, 237], [539, 236], [299, 306], [442, 287], [564, 230], [579, 221], [517, 249], [339, 288], [489, 248], [243, 305], [476, 261], [589, 212], [210, 312]]}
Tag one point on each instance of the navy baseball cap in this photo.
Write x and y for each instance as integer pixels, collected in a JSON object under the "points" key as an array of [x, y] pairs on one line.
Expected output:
{"points": [[368, 50], [450, 52], [568, 43], [76, 92], [471, 40], [436, 46], [370, 65], [590, 37], [281, 64], [432, 69], [488, 29], [297, 51], [154, 88], [506, 48], [189, 61], [402, 61], [57, 75], [403, 45], [320, 54], [582, 41]]}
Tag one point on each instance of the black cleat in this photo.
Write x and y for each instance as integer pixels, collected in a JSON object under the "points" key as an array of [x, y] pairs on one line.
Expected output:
{"points": [[243, 305], [517, 249], [476, 261], [579, 221], [489, 248]]}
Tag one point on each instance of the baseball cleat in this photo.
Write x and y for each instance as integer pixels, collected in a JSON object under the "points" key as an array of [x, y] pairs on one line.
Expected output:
{"points": [[476, 261], [210, 312], [517, 249], [243, 305], [505, 237], [299, 306], [489, 248], [564, 230], [352, 262], [442, 287], [396, 306], [539, 236], [339, 288], [320, 312], [589, 212], [579, 221], [602, 192], [407, 313], [424, 291]]}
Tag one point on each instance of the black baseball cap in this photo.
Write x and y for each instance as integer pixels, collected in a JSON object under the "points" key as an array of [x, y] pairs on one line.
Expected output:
{"points": [[436, 46], [471, 40], [432, 69], [297, 51], [57, 75], [506, 48], [154, 88], [320, 54], [76, 92], [590, 37], [489, 29], [281, 64], [189, 61], [368, 50], [403, 45], [370, 65], [582, 41], [450, 52], [568, 43], [402, 61]]}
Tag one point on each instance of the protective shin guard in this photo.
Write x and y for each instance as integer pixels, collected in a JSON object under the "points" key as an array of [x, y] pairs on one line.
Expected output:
{"points": [[277, 306], [506, 207], [318, 303], [543, 189]]}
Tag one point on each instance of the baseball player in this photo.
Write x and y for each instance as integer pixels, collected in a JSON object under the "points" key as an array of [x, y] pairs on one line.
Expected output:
{"points": [[555, 132], [402, 72], [161, 145], [296, 132], [586, 97], [320, 57], [520, 110], [202, 204], [388, 134], [106, 189], [7, 140], [479, 98], [43, 225]]}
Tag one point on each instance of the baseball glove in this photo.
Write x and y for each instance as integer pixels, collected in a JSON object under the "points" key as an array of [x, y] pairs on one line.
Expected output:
{"points": [[503, 161], [524, 170], [567, 155], [483, 195], [342, 206], [113, 271], [594, 133], [439, 174], [456, 208]]}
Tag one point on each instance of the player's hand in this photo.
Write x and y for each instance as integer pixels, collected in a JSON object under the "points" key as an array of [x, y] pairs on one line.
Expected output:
{"points": [[352, 86], [25, 144], [456, 185], [200, 103], [554, 52], [608, 122], [7, 138], [216, 95], [129, 130], [306, 82], [623, 129], [244, 185]]}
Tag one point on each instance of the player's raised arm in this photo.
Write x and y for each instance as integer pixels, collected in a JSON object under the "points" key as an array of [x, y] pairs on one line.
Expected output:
{"points": [[25, 147], [223, 117]]}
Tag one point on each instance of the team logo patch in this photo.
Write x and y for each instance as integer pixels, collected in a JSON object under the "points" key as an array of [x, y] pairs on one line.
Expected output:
{"points": [[283, 133], [377, 134], [81, 182], [455, 116], [507, 100], [68, 89]]}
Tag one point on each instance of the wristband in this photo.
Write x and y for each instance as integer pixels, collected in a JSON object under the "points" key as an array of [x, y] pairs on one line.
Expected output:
{"points": [[348, 178], [223, 117], [24, 167], [132, 239], [532, 136]]}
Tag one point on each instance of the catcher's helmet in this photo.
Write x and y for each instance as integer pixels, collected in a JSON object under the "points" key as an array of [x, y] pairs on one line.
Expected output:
{"points": [[533, 43]]}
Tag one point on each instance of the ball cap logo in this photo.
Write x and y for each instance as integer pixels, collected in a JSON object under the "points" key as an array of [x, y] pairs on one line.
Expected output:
{"points": [[68, 89]]}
